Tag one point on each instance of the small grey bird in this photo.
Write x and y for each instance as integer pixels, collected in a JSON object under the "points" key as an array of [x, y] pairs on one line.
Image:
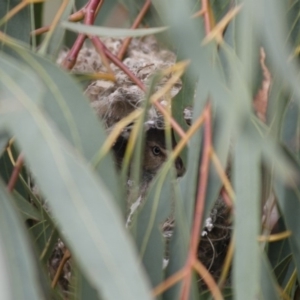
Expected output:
{"points": [[155, 153]]}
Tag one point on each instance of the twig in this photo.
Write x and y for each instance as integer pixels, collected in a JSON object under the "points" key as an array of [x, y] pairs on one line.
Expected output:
{"points": [[78, 15], [222, 174], [15, 174], [217, 31], [208, 279], [100, 48], [169, 282], [191, 131], [136, 23], [199, 13], [90, 11], [75, 17], [207, 26], [65, 258], [70, 60], [226, 197], [40, 31], [227, 263]]}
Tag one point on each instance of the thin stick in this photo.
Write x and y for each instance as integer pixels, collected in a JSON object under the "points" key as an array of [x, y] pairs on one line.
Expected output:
{"points": [[78, 15], [227, 263], [226, 197], [65, 258], [191, 131], [136, 23], [206, 16], [58, 15], [70, 60], [90, 10], [222, 174], [208, 279], [15, 174], [40, 31], [199, 13], [169, 282], [99, 47]]}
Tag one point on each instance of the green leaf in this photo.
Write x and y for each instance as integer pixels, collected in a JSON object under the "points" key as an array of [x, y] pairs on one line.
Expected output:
{"points": [[83, 289], [180, 241], [288, 196], [246, 268], [19, 26], [69, 109], [16, 257], [274, 30], [53, 41], [148, 228], [26, 209], [280, 256], [4, 138], [110, 32], [268, 283], [45, 236], [82, 205]]}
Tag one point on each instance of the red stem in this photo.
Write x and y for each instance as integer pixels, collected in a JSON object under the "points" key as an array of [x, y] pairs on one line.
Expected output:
{"points": [[136, 23], [206, 16], [71, 58], [15, 174], [90, 10]]}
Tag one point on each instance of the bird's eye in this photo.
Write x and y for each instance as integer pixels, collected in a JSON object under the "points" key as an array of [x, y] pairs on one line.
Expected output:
{"points": [[156, 150]]}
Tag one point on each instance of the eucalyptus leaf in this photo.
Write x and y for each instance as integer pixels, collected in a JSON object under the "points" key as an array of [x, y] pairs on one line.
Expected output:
{"points": [[17, 27], [3, 140], [16, 257], [26, 208], [69, 109], [155, 210], [268, 284], [110, 32], [80, 202], [52, 43], [289, 204], [82, 287], [246, 268]]}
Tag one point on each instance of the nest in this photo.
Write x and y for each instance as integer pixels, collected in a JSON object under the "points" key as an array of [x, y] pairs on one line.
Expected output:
{"points": [[113, 101]]}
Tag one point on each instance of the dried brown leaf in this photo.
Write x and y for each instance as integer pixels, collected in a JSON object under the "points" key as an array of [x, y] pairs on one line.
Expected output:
{"points": [[260, 102]]}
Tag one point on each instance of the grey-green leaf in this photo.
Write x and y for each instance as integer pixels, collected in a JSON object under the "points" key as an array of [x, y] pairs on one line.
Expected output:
{"points": [[16, 257], [110, 32], [82, 205]]}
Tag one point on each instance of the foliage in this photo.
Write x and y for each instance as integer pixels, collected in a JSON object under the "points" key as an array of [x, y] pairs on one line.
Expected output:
{"points": [[242, 82]]}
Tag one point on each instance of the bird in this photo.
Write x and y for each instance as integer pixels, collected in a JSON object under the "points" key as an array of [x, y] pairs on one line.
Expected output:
{"points": [[155, 153]]}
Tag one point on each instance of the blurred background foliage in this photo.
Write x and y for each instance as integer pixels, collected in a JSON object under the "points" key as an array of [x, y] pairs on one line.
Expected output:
{"points": [[244, 61]]}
